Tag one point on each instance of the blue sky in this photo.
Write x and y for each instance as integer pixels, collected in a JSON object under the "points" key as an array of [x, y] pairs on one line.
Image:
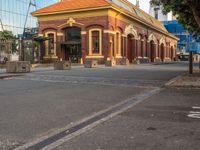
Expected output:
{"points": [[13, 14]]}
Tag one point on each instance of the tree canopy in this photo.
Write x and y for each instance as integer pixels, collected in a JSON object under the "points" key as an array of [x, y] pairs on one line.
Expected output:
{"points": [[6, 35], [186, 11]]}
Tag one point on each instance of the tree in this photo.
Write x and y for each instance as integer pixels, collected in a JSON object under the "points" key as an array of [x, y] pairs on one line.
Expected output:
{"points": [[6, 35], [187, 12]]}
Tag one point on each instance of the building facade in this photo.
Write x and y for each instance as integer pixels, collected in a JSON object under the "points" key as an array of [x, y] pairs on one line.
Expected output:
{"points": [[103, 30]]}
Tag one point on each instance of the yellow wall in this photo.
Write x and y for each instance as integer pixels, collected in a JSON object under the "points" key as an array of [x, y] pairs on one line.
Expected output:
{"points": [[84, 14]]}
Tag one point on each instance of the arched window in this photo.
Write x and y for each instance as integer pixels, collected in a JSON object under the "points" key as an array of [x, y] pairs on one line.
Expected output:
{"points": [[95, 42], [72, 34], [118, 43], [51, 43]]}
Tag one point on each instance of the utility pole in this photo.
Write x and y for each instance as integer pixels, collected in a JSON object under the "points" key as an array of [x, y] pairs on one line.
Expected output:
{"points": [[191, 63], [23, 35], [1, 25]]}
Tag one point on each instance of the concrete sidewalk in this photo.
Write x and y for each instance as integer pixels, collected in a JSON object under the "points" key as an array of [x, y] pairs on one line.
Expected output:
{"points": [[186, 80]]}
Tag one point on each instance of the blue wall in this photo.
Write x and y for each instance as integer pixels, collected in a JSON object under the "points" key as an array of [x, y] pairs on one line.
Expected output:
{"points": [[186, 41]]}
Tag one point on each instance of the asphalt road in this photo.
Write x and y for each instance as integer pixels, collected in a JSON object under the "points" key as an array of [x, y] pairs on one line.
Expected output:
{"points": [[159, 123], [44, 101]]}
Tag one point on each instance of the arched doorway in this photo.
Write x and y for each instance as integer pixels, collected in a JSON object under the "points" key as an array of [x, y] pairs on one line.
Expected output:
{"points": [[152, 50], [71, 45], [130, 48], [162, 51]]}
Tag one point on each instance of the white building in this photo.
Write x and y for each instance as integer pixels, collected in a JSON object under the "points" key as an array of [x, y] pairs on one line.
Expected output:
{"points": [[156, 11]]}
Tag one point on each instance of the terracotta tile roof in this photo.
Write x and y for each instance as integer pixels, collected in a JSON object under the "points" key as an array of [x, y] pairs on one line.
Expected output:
{"points": [[71, 5], [125, 6]]}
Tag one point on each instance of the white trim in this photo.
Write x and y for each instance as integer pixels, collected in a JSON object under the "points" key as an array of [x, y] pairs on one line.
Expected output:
{"points": [[83, 32], [109, 31], [152, 38], [118, 56], [53, 56], [119, 50], [94, 56], [47, 43], [60, 34], [162, 41], [131, 30]]}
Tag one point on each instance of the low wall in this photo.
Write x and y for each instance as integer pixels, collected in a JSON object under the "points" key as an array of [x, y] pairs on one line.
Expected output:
{"points": [[91, 63], [62, 65], [18, 66]]}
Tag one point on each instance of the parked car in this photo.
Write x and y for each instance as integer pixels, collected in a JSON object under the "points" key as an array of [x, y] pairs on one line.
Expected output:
{"points": [[183, 57]]}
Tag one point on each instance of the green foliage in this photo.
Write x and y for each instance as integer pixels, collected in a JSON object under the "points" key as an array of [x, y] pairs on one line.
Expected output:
{"points": [[186, 11], [6, 35]]}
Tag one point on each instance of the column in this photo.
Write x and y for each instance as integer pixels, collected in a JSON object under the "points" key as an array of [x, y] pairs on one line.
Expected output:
{"points": [[148, 49], [83, 45]]}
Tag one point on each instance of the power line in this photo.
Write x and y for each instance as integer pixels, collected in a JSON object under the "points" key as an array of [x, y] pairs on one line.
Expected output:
{"points": [[14, 16]]}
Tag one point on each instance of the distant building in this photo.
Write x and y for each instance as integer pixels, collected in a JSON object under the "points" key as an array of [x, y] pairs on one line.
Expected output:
{"points": [[157, 12], [103, 30], [186, 41]]}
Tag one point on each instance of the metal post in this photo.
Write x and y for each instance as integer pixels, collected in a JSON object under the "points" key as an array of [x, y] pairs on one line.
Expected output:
{"points": [[199, 61], [191, 63]]}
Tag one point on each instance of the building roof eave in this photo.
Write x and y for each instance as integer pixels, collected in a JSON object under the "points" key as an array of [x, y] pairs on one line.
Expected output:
{"points": [[69, 11], [145, 23]]}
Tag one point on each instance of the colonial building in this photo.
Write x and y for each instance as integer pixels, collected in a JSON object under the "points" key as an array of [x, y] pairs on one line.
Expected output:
{"points": [[103, 30]]}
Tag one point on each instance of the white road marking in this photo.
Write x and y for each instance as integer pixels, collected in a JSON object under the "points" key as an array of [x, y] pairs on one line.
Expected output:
{"points": [[195, 107], [194, 114]]}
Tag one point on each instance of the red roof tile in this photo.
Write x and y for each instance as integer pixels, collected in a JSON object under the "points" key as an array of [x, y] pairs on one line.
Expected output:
{"points": [[68, 5], [71, 5]]}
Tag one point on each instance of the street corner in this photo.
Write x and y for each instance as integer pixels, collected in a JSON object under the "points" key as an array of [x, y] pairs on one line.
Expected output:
{"points": [[185, 81]]}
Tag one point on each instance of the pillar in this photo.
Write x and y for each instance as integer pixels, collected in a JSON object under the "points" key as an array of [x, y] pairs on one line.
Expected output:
{"points": [[83, 45], [148, 49]]}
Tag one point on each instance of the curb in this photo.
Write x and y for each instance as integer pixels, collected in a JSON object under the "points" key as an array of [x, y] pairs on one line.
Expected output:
{"points": [[170, 82], [173, 80], [9, 76]]}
